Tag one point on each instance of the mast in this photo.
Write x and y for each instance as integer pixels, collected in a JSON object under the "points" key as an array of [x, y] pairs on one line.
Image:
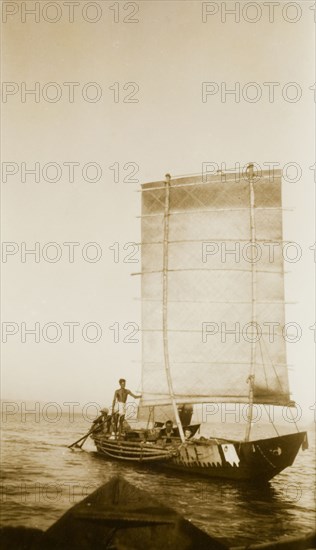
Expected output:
{"points": [[251, 377], [165, 304]]}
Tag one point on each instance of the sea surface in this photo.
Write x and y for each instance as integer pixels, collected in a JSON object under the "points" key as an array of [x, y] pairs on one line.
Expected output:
{"points": [[41, 478]]}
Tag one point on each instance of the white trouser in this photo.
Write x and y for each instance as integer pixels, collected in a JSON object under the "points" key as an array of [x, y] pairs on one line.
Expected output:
{"points": [[120, 408]]}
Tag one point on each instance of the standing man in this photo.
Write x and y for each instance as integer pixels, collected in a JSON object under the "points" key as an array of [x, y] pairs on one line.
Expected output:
{"points": [[119, 404]]}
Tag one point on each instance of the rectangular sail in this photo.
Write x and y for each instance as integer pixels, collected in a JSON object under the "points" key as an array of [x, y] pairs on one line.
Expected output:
{"points": [[221, 254]]}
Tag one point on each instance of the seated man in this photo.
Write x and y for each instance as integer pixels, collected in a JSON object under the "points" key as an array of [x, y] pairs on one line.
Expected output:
{"points": [[167, 433], [103, 422]]}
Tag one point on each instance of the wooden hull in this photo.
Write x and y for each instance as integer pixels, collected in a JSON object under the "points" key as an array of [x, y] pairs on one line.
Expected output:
{"points": [[120, 516], [254, 460], [133, 451]]}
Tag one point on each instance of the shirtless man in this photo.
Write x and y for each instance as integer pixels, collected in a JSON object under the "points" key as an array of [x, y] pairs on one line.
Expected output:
{"points": [[119, 404]]}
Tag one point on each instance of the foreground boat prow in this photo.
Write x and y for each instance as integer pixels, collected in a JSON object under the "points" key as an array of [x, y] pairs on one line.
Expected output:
{"points": [[118, 515]]}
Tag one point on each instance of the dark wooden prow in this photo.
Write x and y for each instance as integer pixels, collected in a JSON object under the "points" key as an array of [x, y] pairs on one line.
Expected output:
{"points": [[119, 515]]}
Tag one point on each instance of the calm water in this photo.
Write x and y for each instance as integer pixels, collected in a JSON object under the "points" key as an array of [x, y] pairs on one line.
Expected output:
{"points": [[42, 478]]}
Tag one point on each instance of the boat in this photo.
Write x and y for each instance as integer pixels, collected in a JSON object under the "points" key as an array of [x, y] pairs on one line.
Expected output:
{"points": [[213, 318], [120, 516]]}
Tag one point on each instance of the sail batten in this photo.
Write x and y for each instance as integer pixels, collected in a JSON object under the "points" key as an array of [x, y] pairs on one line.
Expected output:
{"points": [[212, 287], [183, 213], [280, 400], [202, 180], [205, 269]]}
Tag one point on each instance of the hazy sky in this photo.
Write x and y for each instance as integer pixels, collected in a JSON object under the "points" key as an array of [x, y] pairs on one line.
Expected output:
{"points": [[166, 55]]}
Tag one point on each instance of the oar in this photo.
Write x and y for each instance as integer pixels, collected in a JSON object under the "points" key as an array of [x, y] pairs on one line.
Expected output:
{"points": [[83, 438]]}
